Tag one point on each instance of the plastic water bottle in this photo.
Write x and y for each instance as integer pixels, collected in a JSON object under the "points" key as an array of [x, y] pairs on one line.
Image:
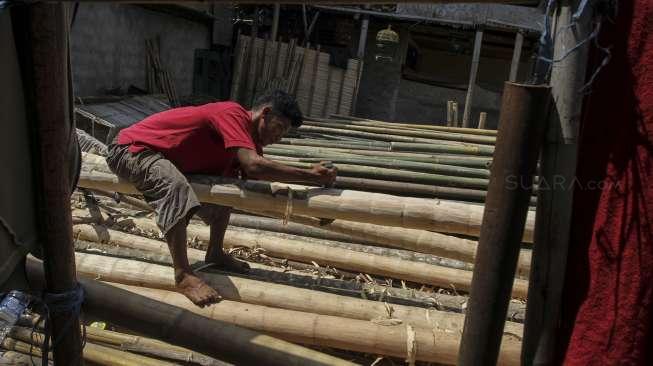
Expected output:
{"points": [[12, 307]]}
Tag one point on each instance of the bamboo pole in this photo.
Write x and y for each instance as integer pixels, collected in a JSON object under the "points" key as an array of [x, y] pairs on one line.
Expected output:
{"points": [[307, 252], [181, 327], [97, 354], [434, 135], [301, 151], [323, 330], [15, 358], [416, 213], [370, 122], [309, 157], [241, 290], [482, 120], [396, 175], [144, 345], [476, 56]]}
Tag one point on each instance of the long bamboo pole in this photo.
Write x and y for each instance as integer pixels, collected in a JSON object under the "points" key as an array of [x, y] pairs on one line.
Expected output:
{"points": [[181, 327], [440, 215], [97, 354], [432, 127], [131, 272], [324, 330], [447, 136], [423, 147], [307, 252]]}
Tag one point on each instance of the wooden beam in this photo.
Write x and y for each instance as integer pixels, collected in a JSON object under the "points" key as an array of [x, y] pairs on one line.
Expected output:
{"points": [[521, 130], [554, 205], [275, 21], [516, 56], [478, 40], [47, 77]]}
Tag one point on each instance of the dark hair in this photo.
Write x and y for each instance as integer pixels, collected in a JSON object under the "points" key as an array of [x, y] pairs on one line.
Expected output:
{"points": [[282, 104]]}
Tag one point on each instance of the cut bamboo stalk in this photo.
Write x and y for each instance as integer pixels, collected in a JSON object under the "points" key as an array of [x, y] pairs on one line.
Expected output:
{"points": [[144, 345], [94, 353], [396, 175], [409, 212], [323, 330], [394, 164], [371, 122], [15, 358], [447, 136], [131, 272], [482, 119], [340, 258], [182, 327]]}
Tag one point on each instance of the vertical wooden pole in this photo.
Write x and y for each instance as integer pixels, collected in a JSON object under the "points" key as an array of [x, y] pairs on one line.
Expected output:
{"points": [[449, 113], [558, 169], [454, 113], [469, 100], [275, 21], [48, 77], [362, 39], [516, 56], [521, 131], [482, 118]]}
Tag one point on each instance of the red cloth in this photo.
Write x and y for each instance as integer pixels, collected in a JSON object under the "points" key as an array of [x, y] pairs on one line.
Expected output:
{"points": [[195, 139], [607, 314]]}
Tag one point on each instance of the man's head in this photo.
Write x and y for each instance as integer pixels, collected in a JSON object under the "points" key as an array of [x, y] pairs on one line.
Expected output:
{"points": [[274, 113]]}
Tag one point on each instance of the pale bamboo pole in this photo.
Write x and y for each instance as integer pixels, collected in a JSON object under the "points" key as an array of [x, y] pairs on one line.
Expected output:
{"points": [[139, 344], [241, 290], [330, 331], [383, 209], [402, 146], [97, 354], [325, 255], [446, 136], [370, 122]]}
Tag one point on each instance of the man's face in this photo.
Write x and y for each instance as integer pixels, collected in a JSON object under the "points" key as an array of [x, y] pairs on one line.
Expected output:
{"points": [[272, 128]]}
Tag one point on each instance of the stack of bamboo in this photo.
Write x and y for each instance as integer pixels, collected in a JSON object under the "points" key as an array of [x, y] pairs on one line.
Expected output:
{"points": [[315, 252]]}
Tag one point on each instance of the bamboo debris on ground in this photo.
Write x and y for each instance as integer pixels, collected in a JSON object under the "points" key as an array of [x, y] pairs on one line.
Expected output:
{"points": [[241, 290], [14, 358], [92, 352], [331, 331], [310, 252], [409, 212]]}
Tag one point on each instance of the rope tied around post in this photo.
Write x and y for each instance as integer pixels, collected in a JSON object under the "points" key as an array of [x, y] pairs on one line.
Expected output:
{"points": [[68, 302]]}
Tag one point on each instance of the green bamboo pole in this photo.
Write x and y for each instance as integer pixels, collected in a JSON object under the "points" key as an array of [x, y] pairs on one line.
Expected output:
{"points": [[396, 146], [392, 164], [382, 136], [360, 171], [411, 189], [478, 139], [370, 122]]}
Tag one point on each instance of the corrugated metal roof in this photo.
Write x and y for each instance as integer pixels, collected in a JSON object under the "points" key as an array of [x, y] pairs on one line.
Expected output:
{"points": [[123, 113]]}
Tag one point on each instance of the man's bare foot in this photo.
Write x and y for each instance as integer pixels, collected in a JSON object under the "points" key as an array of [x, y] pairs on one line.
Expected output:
{"points": [[228, 263], [197, 290]]}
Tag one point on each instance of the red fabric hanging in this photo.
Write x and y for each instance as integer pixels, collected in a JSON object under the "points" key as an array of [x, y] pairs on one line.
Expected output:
{"points": [[607, 314]]}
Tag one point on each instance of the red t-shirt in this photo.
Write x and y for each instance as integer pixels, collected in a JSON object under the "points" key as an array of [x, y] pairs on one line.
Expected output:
{"points": [[195, 139]]}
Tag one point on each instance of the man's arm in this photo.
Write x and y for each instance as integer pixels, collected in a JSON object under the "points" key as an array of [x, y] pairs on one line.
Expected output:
{"points": [[256, 166]]}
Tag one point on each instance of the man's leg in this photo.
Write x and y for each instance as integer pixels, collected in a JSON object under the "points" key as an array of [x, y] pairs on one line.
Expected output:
{"points": [[187, 282], [215, 252]]}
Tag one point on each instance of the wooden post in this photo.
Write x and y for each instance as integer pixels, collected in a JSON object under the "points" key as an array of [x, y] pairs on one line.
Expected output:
{"points": [[516, 56], [472, 77], [482, 118], [449, 113], [275, 21], [454, 114], [559, 155], [47, 78], [521, 131], [362, 40]]}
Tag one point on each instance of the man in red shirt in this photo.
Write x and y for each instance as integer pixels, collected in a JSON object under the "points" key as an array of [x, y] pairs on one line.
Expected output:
{"points": [[220, 139]]}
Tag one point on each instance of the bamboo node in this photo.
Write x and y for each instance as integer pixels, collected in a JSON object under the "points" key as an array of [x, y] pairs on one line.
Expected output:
{"points": [[288, 211]]}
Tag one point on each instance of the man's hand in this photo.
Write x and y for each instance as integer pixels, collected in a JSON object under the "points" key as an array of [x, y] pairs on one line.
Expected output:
{"points": [[324, 174]]}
